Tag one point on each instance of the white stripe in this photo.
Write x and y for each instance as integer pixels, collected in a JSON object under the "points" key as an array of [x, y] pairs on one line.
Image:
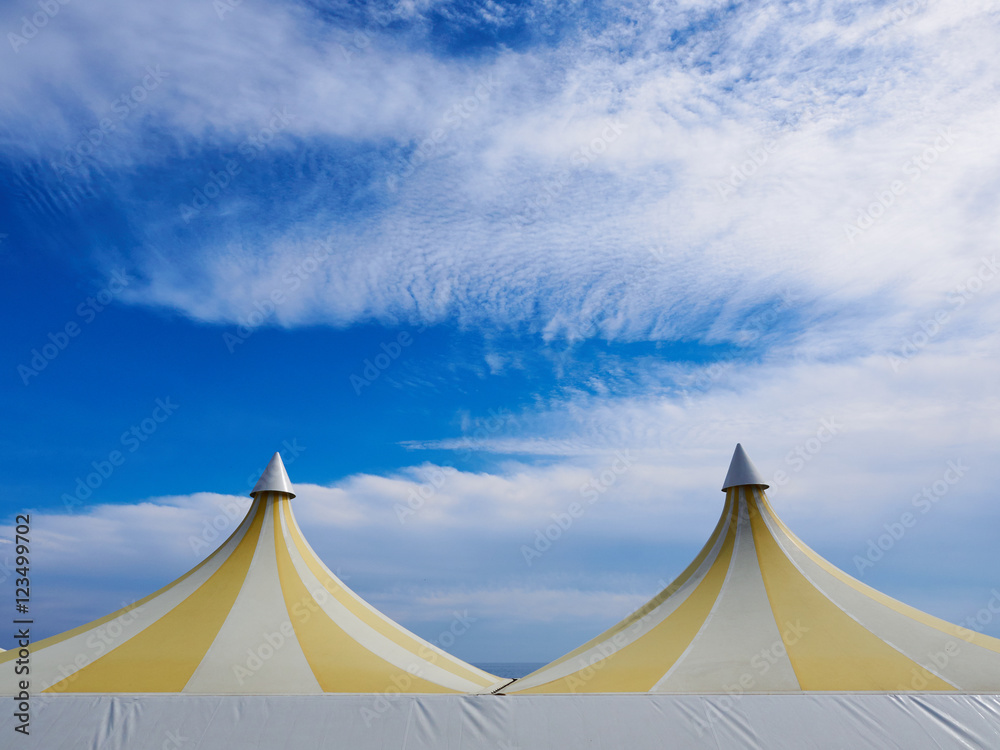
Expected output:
{"points": [[739, 647], [371, 639], [256, 650], [52, 664], [636, 630], [889, 626]]}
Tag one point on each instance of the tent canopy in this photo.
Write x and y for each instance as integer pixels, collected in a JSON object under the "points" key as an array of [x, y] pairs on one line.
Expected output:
{"points": [[757, 611], [261, 615]]}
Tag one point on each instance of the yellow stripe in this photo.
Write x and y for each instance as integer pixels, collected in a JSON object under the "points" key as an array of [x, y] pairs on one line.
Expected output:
{"points": [[340, 663], [162, 658], [831, 651], [638, 666], [950, 629], [60, 637], [657, 600], [362, 611]]}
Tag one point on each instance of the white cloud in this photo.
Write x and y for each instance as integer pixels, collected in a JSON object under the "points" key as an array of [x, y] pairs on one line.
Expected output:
{"points": [[517, 606], [536, 212], [846, 99]]}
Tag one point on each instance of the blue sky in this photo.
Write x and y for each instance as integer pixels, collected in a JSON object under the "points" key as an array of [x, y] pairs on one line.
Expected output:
{"points": [[511, 256]]}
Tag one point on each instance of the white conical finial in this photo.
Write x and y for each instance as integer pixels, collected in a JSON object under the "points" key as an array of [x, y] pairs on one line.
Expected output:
{"points": [[274, 478], [742, 471]]}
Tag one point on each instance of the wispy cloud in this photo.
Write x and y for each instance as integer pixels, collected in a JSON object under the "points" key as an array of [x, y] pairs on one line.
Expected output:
{"points": [[515, 206]]}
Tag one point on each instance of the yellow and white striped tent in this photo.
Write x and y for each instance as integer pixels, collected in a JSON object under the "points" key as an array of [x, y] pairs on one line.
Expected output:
{"points": [[757, 611], [261, 615]]}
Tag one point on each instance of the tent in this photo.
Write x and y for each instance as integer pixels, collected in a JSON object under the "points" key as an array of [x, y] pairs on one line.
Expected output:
{"points": [[759, 644], [757, 611], [261, 615]]}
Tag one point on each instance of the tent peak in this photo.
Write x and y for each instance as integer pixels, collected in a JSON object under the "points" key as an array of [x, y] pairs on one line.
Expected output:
{"points": [[274, 478], [742, 471]]}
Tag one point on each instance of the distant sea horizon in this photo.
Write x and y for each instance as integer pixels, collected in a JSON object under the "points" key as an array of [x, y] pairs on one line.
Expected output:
{"points": [[510, 669]]}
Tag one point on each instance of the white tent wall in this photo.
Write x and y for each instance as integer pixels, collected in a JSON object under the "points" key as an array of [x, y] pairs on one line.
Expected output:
{"points": [[820, 721]]}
